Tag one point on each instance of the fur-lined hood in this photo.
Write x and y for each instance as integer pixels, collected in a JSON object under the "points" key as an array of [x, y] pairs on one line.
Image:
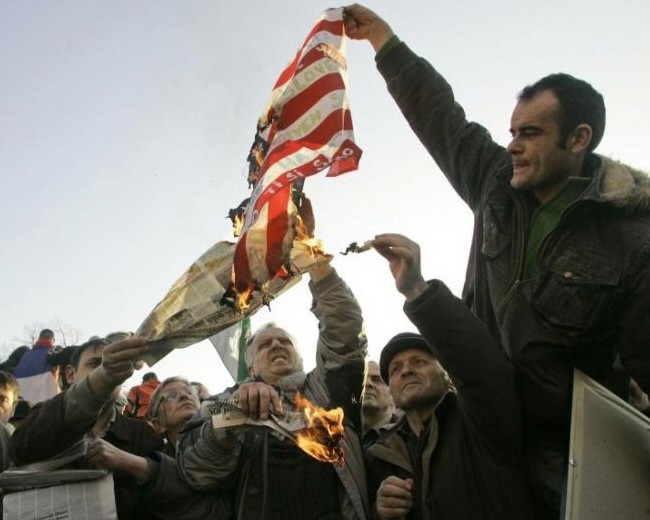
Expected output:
{"points": [[624, 186]]}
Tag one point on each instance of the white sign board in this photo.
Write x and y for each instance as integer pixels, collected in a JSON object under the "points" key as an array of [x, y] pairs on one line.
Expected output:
{"points": [[609, 457]]}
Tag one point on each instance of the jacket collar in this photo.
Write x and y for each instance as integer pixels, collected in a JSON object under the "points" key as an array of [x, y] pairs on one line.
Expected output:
{"points": [[622, 185]]}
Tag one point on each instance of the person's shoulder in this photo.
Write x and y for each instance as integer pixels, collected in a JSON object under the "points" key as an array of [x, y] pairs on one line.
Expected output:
{"points": [[623, 185]]}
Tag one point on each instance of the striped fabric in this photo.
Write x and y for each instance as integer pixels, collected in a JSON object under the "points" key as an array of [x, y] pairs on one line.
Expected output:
{"points": [[36, 380], [308, 128]]}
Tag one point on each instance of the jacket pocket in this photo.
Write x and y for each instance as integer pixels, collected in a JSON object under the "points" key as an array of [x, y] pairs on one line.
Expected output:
{"points": [[577, 293]]}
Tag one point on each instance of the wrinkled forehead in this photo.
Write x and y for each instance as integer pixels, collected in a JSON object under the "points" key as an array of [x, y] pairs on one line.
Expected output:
{"points": [[269, 334], [178, 385], [372, 369], [411, 354]]}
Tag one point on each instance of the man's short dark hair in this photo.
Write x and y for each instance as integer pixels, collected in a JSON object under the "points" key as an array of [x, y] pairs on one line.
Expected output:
{"points": [[92, 343], [10, 383], [579, 103], [46, 334], [149, 376]]}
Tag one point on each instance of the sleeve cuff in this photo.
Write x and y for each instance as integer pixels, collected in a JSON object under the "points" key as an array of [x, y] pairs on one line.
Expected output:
{"points": [[393, 42]]}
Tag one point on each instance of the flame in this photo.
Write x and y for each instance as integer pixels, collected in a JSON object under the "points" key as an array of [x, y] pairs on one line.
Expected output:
{"points": [[314, 245], [243, 298], [322, 438], [237, 224], [303, 244]]}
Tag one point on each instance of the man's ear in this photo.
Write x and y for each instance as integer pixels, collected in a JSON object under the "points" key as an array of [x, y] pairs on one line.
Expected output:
{"points": [[155, 422], [580, 138], [69, 374]]}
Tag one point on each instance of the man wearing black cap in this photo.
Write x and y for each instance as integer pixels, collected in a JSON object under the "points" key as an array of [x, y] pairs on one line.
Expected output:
{"points": [[456, 453]]}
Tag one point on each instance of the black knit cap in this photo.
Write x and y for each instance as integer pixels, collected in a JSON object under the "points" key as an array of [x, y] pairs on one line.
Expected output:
{"points": [[400, 342]]}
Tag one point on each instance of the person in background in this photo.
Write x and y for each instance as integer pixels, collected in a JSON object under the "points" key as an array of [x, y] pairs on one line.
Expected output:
{"points": [[456, 454], [559, 269], [61, 358], [9, 396], [9, 392], [37, 377], [377, 408], [9, 364], [155, 477], [86, 410], [139, 396], [172, 404]]}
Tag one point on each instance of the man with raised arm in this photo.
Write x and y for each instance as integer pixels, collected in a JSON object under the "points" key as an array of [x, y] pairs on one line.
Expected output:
{"points": [[457, 452], [559, 269], [270, 477]]}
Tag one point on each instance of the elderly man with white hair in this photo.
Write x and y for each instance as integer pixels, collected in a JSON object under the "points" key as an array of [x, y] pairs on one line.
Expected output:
{"points": [[271, 477]]}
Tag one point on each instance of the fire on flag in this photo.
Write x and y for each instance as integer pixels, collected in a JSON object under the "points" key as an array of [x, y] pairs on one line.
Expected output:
{"points": [[305, 128]]}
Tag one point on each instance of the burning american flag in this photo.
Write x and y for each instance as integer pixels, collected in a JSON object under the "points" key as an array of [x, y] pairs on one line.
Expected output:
{"points": [[306, 128]]}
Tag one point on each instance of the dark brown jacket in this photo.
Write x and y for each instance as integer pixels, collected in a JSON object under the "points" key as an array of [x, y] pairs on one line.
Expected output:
{"points": [[591, 299], [472, 466]]}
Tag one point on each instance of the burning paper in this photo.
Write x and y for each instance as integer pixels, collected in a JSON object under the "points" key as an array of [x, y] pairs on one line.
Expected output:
{"points": [[356, 248], [316, 431], [202, 301], [306, 128]]}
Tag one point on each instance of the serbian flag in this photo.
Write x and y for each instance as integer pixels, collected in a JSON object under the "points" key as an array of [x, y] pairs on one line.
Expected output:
{"points": [[306, 128]]}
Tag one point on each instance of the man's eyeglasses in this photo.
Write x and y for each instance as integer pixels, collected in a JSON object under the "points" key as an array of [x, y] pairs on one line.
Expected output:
{"points": [[175, 395]]}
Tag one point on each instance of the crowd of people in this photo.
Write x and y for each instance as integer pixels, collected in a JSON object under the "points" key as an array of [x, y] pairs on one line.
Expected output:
{"points": [[468, 418]]}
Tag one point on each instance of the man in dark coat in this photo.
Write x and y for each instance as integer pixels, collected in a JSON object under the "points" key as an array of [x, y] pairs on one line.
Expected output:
{"points": [[559, 269], [456, 454]]}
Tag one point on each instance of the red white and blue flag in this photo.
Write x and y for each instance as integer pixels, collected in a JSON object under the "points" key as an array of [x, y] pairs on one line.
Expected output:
{"points": [[306, 128]]}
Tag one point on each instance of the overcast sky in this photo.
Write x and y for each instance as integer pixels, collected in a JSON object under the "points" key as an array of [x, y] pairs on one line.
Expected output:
{"points": [[125, 125]]}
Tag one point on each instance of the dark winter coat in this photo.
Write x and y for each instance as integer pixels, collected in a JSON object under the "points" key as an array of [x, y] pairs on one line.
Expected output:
{"points": [[592, 298], [472, 465]]}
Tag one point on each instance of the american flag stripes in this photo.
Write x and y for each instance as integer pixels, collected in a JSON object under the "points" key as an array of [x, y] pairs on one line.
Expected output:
{"points": [[308, 128]]}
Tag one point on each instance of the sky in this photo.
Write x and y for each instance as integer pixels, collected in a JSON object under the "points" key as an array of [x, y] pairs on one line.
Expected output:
{"points": [[125, 126]]}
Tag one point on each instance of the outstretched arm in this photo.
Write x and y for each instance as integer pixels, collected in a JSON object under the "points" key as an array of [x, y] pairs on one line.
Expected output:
{"points": [[461, 342], [463, 150]]}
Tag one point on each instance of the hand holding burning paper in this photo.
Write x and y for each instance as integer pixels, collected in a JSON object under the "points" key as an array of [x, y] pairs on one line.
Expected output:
{"points": [[316, 431]]}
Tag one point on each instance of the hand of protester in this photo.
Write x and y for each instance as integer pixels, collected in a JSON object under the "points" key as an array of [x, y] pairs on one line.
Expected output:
{"points": [[394, 498], [362, 24], [110, 457], [119, 360], [403, 257], [258, 400]]}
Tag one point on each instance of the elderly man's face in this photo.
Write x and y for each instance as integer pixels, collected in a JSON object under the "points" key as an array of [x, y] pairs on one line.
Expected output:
{"points": [[274, 355], [416, 379]]}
